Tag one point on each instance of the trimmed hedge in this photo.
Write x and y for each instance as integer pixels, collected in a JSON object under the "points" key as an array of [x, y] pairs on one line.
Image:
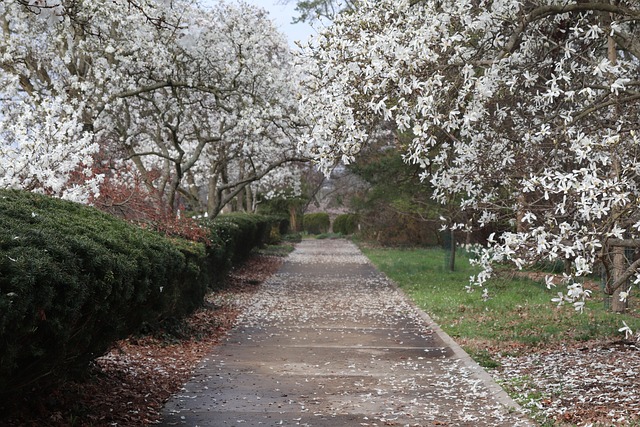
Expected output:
{"points": [[345, 224], [74, 280], [316, 223], [233, 237]]}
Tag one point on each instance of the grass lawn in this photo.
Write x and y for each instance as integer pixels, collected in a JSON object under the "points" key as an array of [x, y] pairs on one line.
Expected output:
{"points": [[519, 316]]}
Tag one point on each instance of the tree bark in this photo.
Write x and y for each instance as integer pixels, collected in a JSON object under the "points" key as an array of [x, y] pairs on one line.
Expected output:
{"points": [[213, 200], [618, 259], [618, 269], [293, 218]]}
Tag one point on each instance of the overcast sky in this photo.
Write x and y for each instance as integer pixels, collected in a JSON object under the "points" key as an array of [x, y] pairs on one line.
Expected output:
{"points": [[282, 14]]}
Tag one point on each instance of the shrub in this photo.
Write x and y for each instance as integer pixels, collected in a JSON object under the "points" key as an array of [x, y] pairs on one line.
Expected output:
{"points": [[280, 225], [345, 224], [233, 237], [274, 236], [316, 223], [292, 237], [323, 236], [73, 280]]}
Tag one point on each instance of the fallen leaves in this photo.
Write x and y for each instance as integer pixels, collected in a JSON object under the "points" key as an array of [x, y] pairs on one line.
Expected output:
{"points": [[598, 382], [594, 383]]}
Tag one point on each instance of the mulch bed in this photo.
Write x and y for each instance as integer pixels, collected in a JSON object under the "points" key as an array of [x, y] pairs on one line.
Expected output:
{"points": [[130, 385]]}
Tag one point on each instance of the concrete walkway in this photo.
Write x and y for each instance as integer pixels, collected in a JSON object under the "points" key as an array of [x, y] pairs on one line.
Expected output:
{"points": [[330, 341]]}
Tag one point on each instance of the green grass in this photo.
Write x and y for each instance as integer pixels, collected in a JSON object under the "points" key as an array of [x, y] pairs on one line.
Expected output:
{"points": [[518, 317]]}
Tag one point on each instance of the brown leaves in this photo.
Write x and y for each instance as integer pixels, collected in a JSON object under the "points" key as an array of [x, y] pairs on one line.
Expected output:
{"points": [[591, 383]]}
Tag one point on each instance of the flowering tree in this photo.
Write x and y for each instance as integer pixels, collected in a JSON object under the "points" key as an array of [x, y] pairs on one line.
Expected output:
{"points": [[201, 101], [526, 111], [235, 119], [312, 10]]}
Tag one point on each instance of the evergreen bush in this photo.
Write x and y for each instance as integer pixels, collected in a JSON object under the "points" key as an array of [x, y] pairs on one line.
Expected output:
{"points": [[73, 280], [345, 224], [233, 237], [316, 223]]}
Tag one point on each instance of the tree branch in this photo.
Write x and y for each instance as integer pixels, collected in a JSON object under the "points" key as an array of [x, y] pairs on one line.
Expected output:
{"points": [[594, 108], [150, 153], [624, 243], [628, 43], [548, 10], [626, 275]]}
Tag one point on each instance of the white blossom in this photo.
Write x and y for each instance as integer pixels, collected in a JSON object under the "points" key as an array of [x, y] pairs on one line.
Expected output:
{"points": [[181, 94], [528, 120], [628, 333]]}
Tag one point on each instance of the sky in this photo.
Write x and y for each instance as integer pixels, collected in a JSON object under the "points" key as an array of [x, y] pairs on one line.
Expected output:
{"points": [[282, 13]]}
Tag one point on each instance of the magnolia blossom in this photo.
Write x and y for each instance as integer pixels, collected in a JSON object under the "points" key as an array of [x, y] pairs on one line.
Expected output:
{"points": [[628, 332], [524, 112], [199, 102]]}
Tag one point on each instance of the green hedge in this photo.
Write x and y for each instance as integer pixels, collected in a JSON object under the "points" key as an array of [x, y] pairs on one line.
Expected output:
{"points": [[345, 224], [73, 280], [316, 223], [233, 237]]}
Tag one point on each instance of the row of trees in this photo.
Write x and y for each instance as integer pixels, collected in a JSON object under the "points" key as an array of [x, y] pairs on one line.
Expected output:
{"points": [[516, 113], [114, 101], [519, 113]]}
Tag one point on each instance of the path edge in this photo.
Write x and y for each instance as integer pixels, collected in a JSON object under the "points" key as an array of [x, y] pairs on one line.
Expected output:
{"points": [[497, 392]]}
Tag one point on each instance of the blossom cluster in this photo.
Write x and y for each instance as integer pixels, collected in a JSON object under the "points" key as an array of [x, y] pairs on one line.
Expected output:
{"points": [[526, 113], [201, 102]]}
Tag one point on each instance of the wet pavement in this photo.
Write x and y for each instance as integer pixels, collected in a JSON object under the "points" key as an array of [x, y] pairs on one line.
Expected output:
{"points": [[330, 341]]}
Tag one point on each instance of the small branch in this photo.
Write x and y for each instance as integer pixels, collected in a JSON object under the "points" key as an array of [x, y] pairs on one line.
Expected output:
{"points": [[150, 153], [605, 105], [547, 10], [624, 243], [626, 275]]}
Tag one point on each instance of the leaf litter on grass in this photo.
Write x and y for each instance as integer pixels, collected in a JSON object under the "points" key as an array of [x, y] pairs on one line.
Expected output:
{"points": [[595, 383]]}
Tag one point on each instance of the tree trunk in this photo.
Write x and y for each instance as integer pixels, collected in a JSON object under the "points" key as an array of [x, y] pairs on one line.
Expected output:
{"points": [[618, 259], [452, 253], [619, 262], [213, 199], [293, 218], [249, 202], [240, 207], [522, 205]]}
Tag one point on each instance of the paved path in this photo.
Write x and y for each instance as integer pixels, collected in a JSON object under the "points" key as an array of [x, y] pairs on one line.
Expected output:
{"points": [[329, 341]]}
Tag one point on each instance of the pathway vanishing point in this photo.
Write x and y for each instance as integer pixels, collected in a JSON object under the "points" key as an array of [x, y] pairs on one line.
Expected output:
{"points": [[330, 341]]}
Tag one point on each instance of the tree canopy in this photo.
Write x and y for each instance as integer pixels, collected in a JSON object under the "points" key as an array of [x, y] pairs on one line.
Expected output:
{"points": [[196, 104], [318, 10], [521, 111]]}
